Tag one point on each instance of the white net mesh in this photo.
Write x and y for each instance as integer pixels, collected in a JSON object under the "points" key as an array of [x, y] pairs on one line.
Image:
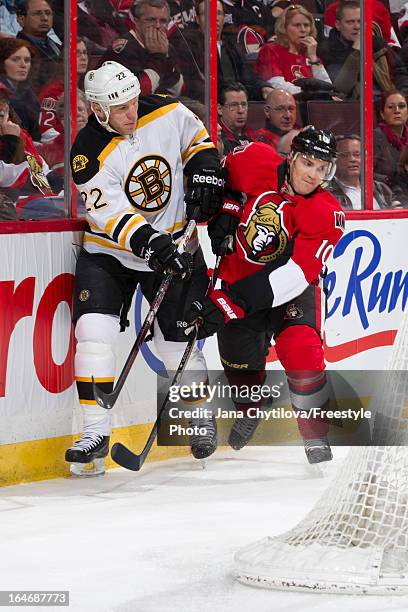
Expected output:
{"points": [[355, 539]]}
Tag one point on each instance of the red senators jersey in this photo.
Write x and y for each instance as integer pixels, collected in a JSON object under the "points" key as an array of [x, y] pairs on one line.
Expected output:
{"points": [[270, 220], [274, 61]]}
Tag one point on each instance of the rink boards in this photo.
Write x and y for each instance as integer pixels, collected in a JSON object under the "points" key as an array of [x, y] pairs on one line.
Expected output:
{"points": [[367, 288]]}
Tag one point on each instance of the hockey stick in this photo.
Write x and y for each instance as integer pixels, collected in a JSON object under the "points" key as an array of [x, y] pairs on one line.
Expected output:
{"points": [[108, 400], [119, 452]]}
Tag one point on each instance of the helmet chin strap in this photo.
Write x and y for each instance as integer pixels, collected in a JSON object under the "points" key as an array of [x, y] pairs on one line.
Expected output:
{"points": [[104, 123]]}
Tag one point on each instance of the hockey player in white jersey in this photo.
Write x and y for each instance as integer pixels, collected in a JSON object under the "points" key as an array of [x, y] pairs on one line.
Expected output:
{"points": [[129, 164]]}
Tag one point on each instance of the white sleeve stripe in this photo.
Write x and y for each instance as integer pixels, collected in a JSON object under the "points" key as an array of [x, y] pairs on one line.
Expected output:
{"points": [[287, 282]]}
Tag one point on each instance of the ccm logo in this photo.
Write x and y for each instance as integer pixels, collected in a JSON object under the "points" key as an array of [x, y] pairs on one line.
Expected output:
{"points": [[227, 308], [210, 180]]}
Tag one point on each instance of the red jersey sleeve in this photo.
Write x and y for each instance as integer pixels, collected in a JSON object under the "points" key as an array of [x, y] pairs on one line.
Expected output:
{"points": [[252, 169]]}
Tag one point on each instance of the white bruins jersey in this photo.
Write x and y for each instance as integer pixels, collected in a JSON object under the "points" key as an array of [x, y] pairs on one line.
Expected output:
{"points": [[128, 181]]}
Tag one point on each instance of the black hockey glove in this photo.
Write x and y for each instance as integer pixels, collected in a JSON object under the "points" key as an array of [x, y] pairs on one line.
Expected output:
{"points": [[212, 312], [161, 255], [205, 188], [223, 225]]}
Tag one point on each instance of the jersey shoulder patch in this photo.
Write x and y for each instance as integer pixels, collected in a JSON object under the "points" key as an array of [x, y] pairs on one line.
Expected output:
{"points": [[87, 151]]}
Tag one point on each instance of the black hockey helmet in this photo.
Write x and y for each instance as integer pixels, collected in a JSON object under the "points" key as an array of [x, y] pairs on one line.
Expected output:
{"points": [[320, 144]]}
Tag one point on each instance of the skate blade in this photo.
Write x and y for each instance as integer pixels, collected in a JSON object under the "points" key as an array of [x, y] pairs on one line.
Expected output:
{"points": [[87, 470], [204, 463]]}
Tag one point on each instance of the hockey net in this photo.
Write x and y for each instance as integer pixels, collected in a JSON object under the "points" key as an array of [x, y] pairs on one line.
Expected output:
{"points": [[355, 539]]}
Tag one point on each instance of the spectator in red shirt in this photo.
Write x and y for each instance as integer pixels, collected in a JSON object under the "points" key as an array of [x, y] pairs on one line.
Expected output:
{"points": [[380, 15], [293, 56], [280, 112], [49, 124], [233, 114]]}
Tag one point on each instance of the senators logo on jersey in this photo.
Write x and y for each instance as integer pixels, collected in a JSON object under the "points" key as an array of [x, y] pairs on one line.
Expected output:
{"points": [[148, 185], [262, 236]]}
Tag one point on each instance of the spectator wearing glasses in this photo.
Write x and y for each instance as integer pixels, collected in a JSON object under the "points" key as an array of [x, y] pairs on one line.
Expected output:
{"points": [[346, 185], [146, 51], [36, 20], [293, 56], [280, 112], [391, 135], [233, 114]]}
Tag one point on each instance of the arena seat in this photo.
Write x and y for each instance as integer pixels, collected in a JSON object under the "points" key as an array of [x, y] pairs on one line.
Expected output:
{"points": [[339, 117]]}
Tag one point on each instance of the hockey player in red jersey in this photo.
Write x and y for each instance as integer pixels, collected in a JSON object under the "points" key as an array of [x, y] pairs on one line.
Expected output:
{"points": [[285, 232]]}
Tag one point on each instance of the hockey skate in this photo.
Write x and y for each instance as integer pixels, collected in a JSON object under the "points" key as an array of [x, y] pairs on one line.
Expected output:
{"points": [[204, 442], [86, 455], [242, 431], [318, 450]]}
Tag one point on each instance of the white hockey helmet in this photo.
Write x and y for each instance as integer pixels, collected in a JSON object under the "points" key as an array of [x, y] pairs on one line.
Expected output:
{"points": [[110, 85]]}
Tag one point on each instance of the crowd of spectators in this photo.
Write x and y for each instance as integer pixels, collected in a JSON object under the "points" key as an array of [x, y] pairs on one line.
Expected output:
{"points": [[277, 60]]}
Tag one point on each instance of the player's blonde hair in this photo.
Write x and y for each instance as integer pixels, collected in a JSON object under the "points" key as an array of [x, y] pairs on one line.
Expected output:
{"points": [[286, 17]]}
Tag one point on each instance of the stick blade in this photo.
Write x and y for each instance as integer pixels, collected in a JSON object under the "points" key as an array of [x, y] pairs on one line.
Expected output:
{"points": [[105, 400], [125, 458]]}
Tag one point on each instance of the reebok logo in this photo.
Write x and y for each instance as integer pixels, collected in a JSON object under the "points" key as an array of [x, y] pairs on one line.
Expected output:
{"points": [[226, 308], [210, 180]]}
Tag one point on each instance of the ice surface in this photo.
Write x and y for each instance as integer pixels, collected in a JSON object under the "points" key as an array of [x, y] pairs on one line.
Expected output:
{"points": [[163, 539]]}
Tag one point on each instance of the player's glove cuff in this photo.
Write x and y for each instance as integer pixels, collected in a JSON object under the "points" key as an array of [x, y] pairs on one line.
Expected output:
{"points": [[212, 312], [225, 224]]}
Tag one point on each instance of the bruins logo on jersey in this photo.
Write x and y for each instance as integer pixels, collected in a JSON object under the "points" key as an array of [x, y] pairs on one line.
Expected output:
{"points": [[148, 185], [262, 236], [79, 163]]}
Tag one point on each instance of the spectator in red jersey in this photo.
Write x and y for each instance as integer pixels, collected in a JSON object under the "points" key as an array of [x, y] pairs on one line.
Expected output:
{"points": [[22, 169], [248, 23], [49, 124], [53, 151], [391, 135], [293, 56], [15, 66], [233, 114], [280, 112], [146, 51], [380, 15]]}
